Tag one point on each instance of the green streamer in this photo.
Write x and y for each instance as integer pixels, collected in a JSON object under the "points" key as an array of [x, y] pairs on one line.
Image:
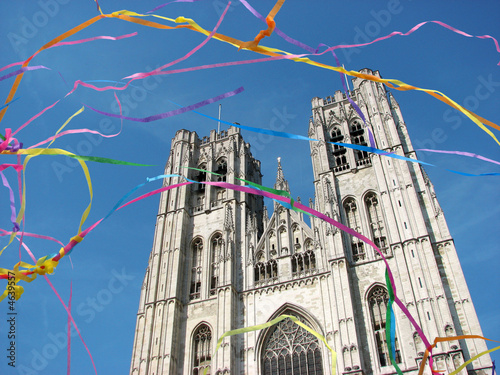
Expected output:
{"points": [[390, 326], [271, 323]]}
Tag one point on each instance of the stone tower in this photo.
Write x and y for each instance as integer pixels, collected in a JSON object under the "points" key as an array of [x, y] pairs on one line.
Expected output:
{"points": [[219, 262]]}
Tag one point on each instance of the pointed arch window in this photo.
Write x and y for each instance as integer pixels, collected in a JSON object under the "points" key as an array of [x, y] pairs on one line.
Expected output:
{"points": [[266, 272], [358, 138], [304, 263], [376, 222], [419, 345], [290, 349], [283, 237], [202, 350], [222, 169], [378, 300], [296, 236], [354, 222], [450, 332], [200, 177], [339, 152], [215, 254], [196, 268]]}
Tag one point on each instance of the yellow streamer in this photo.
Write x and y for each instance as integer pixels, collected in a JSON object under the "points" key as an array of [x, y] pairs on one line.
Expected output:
{"points": [[452, 338], [271, 323], [129, 16], [36, 152], [252, 46], [473, 359]]}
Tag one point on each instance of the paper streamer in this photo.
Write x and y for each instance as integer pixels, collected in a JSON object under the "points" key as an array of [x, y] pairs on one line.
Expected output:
{"points": [[270, 324], [444, 339], [170, 2], [355, 147], [35, 117], [310, 49], [174, 112], [390, 325], [461, 153], [22, 70], [9, 103], [12, 202], [7, 233], [129, 16], [190, 53], [47, 264]]}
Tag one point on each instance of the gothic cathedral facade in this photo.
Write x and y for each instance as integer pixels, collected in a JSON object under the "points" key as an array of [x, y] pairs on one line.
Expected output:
{"points": [[219, 262]]}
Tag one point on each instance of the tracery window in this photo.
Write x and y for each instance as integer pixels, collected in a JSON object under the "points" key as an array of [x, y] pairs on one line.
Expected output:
{"points": [[339, 152], [303, 263], [196, 268], [296, 234], [376, 222], [358, 138], [378, 300], [221, 169], [216, 250], [202, 350], [266, 272], [289, 349], [450, 332], [419, 345], [283, 237], [354, 222], [200, 176]]}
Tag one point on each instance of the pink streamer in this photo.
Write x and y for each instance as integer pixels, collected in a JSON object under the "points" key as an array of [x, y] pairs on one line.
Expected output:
{"points": [[73, 131], [70, 317], [315, 213], [69, 328], [12, 202], [461, 153], [154, 72], [17, 167], [22, 70], [94, 38], [174, 112], [11, 65], [34, 117], [5, 143], [73, 43], [3, 232], [195, 49]]}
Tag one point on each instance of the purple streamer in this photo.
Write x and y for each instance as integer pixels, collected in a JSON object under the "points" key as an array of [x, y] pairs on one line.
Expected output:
{"points": [[358, 110], [170, 2], [461, 153], [22, 70], [174, 112], [12, 203], [315, 51]]}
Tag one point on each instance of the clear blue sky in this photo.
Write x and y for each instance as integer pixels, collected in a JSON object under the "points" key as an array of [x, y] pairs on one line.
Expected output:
{"points": [[275, 92]]}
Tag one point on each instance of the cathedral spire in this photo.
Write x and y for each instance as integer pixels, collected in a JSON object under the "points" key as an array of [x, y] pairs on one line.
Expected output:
{"points": [[281, 183]]}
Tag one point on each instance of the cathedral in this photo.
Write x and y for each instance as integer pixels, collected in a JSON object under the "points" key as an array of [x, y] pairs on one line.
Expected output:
{"points": [[220, 261]]}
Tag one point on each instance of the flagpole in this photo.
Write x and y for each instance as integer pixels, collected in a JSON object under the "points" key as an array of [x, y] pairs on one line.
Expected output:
{"points": [[346, 80], [218, 126]]}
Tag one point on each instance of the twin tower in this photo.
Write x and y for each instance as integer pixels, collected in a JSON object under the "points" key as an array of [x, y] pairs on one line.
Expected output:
{"points": [[219, 262]]}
